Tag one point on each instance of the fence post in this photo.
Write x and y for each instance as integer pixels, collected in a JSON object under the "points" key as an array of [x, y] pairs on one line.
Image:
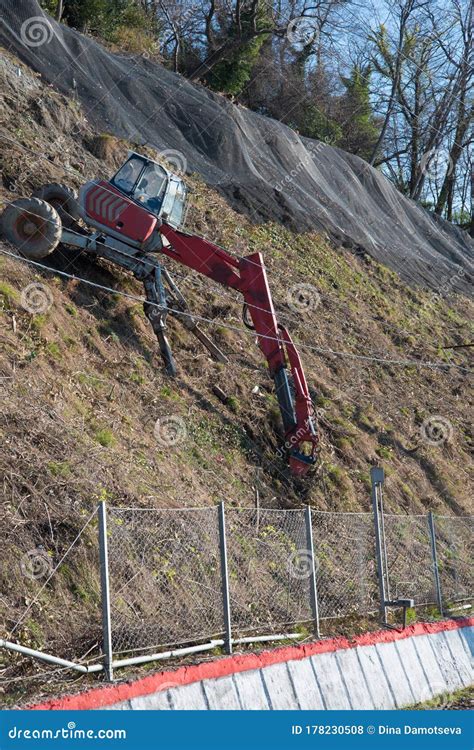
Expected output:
{"points": [[313, 588], [434, 555], [225, 580], [105, 590], [377, 477]]}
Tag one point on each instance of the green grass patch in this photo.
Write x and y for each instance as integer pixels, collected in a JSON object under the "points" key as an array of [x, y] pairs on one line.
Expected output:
{"points": [[383, 451], [105, 437], [8, 295], [53, 349], [59, 468]]}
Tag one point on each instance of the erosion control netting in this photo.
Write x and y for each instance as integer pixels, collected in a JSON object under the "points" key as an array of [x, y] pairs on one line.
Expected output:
{"points": [[344, 550], [269, 569], [165, 577], [455, 551], [262, 166]]}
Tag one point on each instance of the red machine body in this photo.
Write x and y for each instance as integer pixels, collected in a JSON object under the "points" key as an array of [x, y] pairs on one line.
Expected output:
{"points": [[144, 203], [105, 207]]}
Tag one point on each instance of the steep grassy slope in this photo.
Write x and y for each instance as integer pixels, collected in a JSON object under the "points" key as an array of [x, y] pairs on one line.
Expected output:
{"points": [[82, 383]]}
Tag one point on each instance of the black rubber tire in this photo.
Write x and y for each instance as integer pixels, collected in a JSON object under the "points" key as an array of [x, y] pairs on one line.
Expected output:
{"points": [[64, 199], [33, 226]]}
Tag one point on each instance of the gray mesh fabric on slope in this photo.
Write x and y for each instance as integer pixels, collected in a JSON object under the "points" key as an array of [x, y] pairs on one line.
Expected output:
{"points": [[260, 165]]}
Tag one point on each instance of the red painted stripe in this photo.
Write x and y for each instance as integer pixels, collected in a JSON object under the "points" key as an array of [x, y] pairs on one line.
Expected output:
{"points": [[108, 696]]}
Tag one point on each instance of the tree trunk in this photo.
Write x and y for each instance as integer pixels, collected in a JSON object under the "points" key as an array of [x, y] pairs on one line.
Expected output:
{"points": [[463, 120], [471, 228], [405, 15], [415, 136], [388, 113]]}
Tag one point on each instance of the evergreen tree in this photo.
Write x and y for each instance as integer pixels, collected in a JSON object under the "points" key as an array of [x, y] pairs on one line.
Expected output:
{"points": [[232, 73], [313, 123], [102, 17], [358, 123]]}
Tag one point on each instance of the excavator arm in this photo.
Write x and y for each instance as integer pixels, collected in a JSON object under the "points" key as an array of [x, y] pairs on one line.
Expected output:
{"points": [[127, 234], [248, 276]]}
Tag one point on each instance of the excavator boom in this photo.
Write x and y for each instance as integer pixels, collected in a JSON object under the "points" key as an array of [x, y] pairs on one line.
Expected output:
{"points": [[248, 276]]}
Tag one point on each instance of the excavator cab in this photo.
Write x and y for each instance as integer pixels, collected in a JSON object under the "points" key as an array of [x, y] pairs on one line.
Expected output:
{"points": [[132, 204], [153, 187]]}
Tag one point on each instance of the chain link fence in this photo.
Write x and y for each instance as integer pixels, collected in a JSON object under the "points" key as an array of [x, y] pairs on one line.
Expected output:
{"points": [[345, 560], [268, 569], [168, 583], [165, 578], [195, 578], [455, 552], [409, 558]]}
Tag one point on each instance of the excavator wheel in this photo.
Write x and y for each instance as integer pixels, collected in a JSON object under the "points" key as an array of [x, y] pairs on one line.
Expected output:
{"points": [[63, 199], [33, 226]]}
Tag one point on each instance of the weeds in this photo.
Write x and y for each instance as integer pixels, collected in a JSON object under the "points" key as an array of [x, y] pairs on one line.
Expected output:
{"points": [[105, 437]]}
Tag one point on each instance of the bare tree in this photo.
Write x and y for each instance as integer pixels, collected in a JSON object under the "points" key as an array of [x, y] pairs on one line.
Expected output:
{"points": [[464, 113], [59, 10], [393, 62]]}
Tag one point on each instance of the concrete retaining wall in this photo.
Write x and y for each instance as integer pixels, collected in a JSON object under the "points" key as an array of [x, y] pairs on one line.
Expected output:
{"points": [[383, 670]]}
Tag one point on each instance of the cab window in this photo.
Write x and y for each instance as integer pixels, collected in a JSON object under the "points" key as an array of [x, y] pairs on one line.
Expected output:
{"points": [[151, 188], [127, 175], [176, 215]]}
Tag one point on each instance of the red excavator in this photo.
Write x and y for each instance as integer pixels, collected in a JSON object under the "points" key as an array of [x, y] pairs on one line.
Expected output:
{"points": [[133, 218]]}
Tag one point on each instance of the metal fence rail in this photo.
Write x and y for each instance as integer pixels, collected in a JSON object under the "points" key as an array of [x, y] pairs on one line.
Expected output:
{"points": [[40, 575], [169, 586]]}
